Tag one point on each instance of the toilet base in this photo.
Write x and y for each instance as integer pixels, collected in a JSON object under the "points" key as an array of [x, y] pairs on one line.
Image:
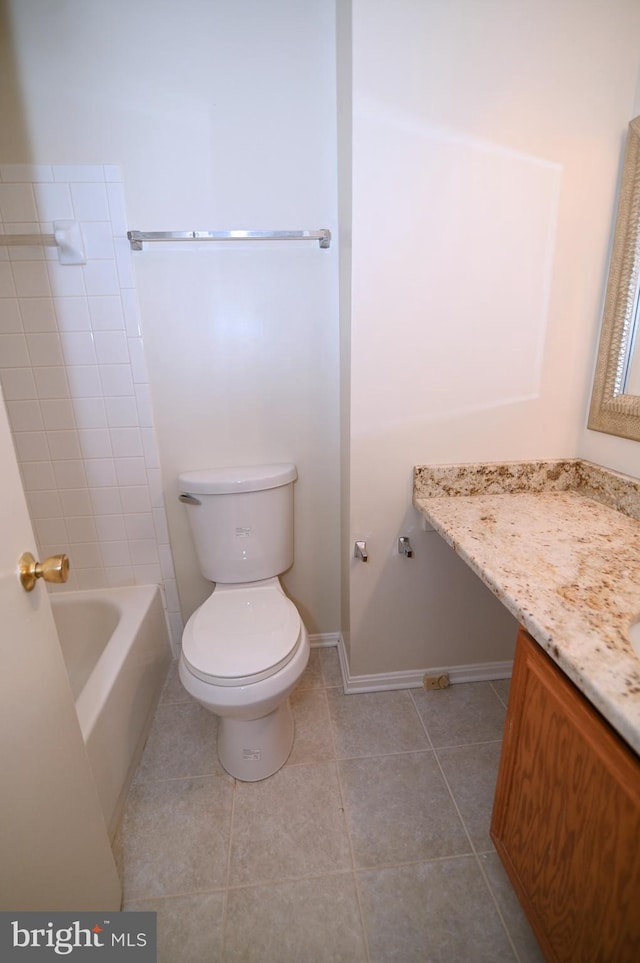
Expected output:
{"points": [[252, 749]]}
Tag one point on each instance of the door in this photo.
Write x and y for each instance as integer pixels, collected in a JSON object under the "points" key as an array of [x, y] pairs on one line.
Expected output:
{"points": [[54, 848]]}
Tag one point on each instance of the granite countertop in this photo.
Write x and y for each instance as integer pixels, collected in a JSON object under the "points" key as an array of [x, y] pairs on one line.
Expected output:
{"points": [[558, 542]]}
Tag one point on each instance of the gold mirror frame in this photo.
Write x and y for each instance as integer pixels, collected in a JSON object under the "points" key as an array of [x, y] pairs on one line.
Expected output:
{"points": [[611, 410]]}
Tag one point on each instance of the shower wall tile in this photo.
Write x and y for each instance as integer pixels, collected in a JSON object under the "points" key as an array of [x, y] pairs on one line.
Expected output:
{"points": [[75, 381]]}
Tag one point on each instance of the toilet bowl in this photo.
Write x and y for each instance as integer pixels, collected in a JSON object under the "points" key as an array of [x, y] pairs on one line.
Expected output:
{"points": [[245, 648]]}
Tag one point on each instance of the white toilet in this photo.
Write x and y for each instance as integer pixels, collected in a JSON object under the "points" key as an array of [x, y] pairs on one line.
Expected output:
{"points": [[245, 648]]}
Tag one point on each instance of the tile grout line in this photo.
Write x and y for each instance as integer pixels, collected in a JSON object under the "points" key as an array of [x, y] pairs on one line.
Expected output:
{"points": [[346, 824], [474, 851], [225, 897]]}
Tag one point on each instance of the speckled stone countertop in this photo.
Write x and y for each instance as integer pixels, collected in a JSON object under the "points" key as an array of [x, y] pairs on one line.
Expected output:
{"points": [[558, 543]]}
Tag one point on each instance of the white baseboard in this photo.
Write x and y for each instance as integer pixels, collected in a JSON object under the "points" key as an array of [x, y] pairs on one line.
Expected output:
{"points": [[412, 679]]}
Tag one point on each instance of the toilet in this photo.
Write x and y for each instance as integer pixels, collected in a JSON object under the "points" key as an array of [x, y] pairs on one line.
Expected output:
{"points": [[245, 648]]}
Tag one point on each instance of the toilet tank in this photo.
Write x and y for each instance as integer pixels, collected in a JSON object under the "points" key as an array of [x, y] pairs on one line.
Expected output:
{"points": [[241, 520]]}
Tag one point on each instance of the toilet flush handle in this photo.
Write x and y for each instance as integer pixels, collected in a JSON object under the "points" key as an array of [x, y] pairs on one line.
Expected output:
{"points": [[189, 499]]}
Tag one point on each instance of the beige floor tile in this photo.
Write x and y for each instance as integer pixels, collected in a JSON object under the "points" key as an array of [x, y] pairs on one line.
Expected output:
{"points": [[182, 742], [330, 661], [289, 825], [173, 690], [462, 714], [306, 921], [516, 922], [189, 927], [375, 723], [313, 741], [471, 772], [432, 912], [501, 688], [312, 675], [399, 810], [174, 837]]}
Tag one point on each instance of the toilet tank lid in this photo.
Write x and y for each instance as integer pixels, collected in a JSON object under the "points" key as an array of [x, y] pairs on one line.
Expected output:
{"points": [[245, 478]]}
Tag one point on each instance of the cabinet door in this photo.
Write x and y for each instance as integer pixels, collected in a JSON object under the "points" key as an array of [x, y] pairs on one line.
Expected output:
{"points": [[566, 817]]}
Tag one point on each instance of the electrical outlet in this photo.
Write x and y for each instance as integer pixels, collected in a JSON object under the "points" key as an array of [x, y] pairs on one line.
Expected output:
{"points": [[436, 681]]}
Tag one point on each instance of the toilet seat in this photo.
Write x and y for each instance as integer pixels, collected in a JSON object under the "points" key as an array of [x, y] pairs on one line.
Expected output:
{"points": [[241, 634]]}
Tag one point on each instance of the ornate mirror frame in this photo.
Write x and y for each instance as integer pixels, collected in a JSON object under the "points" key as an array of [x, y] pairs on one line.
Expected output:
{"points": [[611, 410]]}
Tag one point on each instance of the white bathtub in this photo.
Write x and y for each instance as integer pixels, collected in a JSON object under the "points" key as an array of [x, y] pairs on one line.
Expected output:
{"points": [[116, 648]]}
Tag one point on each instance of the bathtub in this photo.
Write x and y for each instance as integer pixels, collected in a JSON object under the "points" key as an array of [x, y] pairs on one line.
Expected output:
{"points": [[116, 649]]}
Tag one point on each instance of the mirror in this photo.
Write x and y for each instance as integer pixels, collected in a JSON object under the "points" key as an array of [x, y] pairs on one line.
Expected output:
{"points": [[615, 402]]}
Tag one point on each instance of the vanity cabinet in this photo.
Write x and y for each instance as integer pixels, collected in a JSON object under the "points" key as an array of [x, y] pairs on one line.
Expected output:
{"points": [[566, 817]]}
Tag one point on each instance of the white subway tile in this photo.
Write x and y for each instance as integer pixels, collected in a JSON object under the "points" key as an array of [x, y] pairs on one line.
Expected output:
{"points": [[147, 574], [51, 382], [25, 415], [91, 578], [64, 444], [110, 528], [115, 553], [100, 472], [171, 592], [78, 172], [131, 313], [84, 381], [143, 403], [116, 380], [81, 528], [31, 279], [176, 628], [126, 442], [106, 501], [124, 264], [70, 474], [75, 501], [144, 552], [135, 499], [131, 471], [53, 202], [121, 412], [17, 203], [72, 314], [112, 173], [78, 347], [7, 284], [117, 209], [106, 313], [38, 315], [51, 531], [90, 413], [154, 481], [90, 202], [138, 361], [10, 319], [98, 240], [18, 384], [111, 347], [84, 555], [161, 527], [44, 349], [101, 277], [120, 575], [13, 351], [151, 457], [140, 526], [66, 280], [38, 476], [95, 443], [31, 445], [57, 413], [44, 504], [166, 561]]}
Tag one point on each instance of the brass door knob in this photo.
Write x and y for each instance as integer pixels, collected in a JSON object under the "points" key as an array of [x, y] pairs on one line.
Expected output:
{"points": [[53, 569]]}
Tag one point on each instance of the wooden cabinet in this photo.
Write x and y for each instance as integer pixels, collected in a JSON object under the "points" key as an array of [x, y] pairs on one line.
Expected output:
{"points": [[566, 817]]}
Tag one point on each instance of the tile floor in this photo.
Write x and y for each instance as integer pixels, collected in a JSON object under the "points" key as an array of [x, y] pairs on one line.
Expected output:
{"points": [[371, 844]]}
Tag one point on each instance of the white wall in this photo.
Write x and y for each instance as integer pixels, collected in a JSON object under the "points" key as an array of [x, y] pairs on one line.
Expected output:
{"points": [[222, 115], [486, 146]]}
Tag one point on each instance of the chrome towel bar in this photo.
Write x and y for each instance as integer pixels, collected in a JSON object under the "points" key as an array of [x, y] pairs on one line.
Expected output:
{"points": [[138, 238]]}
